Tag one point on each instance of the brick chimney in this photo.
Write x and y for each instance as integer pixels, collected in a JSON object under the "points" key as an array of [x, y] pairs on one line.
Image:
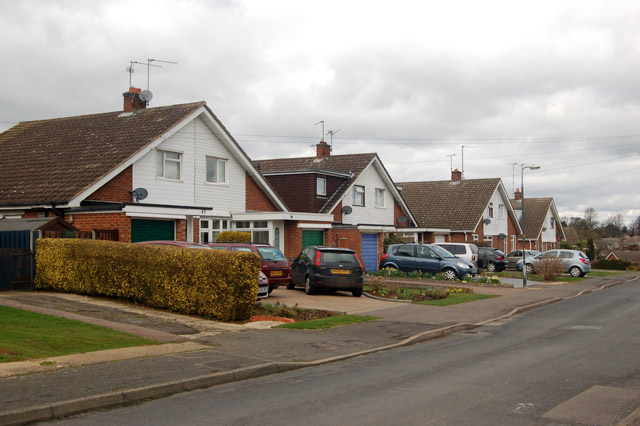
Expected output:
{"points": [[323, 150], [456, 175], [132, 100], [518, 195]]}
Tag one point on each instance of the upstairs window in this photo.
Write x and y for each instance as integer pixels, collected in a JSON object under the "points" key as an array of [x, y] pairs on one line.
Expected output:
{"points": [[358, 195], [501, 210], [168, 164], [379, 197], [321, 186], [551, 223], [491, 210], [216, 170]]}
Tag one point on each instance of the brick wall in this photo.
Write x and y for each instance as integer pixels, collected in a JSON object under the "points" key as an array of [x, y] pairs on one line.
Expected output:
{"points": [[292, 239], [181, 230], [117, 189], [337, 213], [91, 221], [256, 200], [397, 212]]}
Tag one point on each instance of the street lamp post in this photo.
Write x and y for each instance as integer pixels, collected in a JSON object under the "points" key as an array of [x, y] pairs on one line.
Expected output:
{"points": [[524, 264]]}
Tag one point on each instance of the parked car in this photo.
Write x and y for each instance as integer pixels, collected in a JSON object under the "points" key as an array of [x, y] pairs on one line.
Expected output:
{"points": [[466, 251], [330, 268], [273, 263], [183, 244], [426, 258], [516, 255], [574, 262], [263, 286], [491, 259]]}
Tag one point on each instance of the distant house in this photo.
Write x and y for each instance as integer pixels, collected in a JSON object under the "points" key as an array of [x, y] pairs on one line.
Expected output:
{"points": [[542, 226], [355, 189], [631, 256], [470, 210], [164, 173]]}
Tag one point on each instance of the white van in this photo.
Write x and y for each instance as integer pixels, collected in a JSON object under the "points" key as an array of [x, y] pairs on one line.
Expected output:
{"points": [[466, 251]]}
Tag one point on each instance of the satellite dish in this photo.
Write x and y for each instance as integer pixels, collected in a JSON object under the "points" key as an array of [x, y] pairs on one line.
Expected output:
{"points": [[139, 194], [403, 219], [502, 236], [544, 228], [486, 221], [145, 95], [346, 210]]}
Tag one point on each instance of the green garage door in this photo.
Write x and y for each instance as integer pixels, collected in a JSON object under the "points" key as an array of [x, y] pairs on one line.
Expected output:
{"points": [[150, 230], [312, 238]]}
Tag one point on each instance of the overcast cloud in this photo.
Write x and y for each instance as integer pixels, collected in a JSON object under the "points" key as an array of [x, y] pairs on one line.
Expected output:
{"points": [[552, 83]]}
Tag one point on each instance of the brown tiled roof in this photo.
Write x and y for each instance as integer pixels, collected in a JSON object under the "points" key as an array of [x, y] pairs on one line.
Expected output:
{"points": [[443, 204], [535, 210], [351, 164], [53, 161]]}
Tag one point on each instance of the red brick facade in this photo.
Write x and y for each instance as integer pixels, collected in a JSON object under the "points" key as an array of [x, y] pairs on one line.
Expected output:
{"points": [[256, 200], [117, 189], [92, 221]]}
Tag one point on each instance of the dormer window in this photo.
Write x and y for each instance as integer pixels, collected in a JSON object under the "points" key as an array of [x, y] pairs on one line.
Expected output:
{"points": [[216, 170], [358, 195], [321, 186]]}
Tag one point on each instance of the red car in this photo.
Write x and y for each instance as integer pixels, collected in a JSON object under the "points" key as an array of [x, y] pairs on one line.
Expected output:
{"points": [[274, 265]]}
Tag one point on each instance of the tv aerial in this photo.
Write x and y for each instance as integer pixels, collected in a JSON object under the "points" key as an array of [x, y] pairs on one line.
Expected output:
{"points": [[148, 64], [331, 133]]}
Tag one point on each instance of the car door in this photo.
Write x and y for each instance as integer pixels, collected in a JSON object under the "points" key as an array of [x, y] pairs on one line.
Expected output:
{"points": [[514, 257], [428, 260], [566, 257], [406, 257], [299, 266]]}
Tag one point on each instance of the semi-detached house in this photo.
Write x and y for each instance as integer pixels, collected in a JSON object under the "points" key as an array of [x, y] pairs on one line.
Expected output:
{"points": [[164, 173]]}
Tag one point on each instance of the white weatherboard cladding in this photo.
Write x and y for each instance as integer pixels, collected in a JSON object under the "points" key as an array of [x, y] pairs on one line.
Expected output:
{"points": [[549, 235], [195, 141], [369, 214], [499, 224]]}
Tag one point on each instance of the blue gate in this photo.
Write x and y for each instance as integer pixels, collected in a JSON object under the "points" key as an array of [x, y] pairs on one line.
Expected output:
{"points": [[370, 251], [17, 263]]}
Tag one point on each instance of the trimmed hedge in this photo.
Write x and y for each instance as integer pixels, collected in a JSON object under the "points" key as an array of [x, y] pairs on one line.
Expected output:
{"points": [[233, 237], [615, 264], [213, 283]]}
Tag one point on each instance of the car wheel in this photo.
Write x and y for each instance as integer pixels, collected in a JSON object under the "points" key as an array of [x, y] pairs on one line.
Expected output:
{"points": [[529, 269], [449, 274], [291, 285], [308, 288], [357, 292], [491, 267], [575, 271], [270, 290]]}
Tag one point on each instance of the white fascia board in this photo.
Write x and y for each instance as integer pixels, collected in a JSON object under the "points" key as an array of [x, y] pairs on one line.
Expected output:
{"points": [[131, 160], [168, 212], [242, 159], [392, 187], [314, 225], [307, 172], [376, 228], [558, 220], [510, 209], [308, 217]]}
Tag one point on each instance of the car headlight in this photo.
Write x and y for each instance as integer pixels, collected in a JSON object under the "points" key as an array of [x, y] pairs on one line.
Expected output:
{"points": [[462, 265]]}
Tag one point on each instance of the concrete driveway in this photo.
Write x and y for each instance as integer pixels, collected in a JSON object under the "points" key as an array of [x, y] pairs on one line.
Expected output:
{"points": [[339, 301]]}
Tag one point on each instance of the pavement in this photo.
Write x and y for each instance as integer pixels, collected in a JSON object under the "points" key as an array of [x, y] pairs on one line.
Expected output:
{"points": [[198, 353]]}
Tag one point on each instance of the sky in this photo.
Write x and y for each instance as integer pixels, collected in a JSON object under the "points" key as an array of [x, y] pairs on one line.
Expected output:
{"points": [[517, 83]]}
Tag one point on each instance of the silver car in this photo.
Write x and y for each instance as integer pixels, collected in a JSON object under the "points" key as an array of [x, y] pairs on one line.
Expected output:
{"points": [[516, 255], [575, 262]]}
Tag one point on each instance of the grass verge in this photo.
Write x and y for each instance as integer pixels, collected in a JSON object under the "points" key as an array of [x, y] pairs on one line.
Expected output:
{"points": [[604, 273], [330, 322], [29, 335], [455, 298]]}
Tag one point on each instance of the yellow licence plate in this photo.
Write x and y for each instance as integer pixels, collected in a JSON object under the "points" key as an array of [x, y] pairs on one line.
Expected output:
{"points": [[276, 273], [340, 271]]}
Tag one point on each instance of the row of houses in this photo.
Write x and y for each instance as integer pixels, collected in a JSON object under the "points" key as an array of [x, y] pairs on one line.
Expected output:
{"points": [[176, 172]]}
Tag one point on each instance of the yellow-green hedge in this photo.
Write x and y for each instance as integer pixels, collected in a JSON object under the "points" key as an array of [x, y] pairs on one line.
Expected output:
{"points": [[214, 283], [233, 236]]}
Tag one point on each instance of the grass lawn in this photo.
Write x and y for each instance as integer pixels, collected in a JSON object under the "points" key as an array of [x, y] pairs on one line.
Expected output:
{"points": [[29, 335], [455, 298], [324, 323], [604, 273]]}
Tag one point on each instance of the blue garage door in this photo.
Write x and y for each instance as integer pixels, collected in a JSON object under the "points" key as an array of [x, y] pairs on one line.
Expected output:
{"points": [[370, 251]]}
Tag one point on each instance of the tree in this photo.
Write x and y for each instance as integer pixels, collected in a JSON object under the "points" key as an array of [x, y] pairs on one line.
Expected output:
{"points": [[613, 227], [634, 227], [591, 218]]}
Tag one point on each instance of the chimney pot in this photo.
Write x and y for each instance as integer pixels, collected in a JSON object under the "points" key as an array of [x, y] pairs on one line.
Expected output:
{"points": [[323, 150], [518, 194], [132, 100], [456, 175]]}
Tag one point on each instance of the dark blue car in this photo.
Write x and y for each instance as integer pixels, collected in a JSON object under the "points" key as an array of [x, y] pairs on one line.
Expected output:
{"points": [[426, 258]]}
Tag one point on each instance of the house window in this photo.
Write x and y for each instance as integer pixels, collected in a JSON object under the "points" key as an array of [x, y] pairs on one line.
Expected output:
{"points": [[488, 238], [358, 195], [168, 164], [474, 237], [491, 210], [500, 211], [259, 230], [551, 223], [321, 186], [216, 170], [210, 228], [379, 197]]}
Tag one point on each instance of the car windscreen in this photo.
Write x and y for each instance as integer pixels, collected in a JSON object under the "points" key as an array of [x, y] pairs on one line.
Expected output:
{"points": [[271, 254], [332, 258], [442, 252], [501, 253]]}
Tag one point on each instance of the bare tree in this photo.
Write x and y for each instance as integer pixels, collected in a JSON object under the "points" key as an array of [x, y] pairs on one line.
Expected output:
{"points": [[591, 218]]}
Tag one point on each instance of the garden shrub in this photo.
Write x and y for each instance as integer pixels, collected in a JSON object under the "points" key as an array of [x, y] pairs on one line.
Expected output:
{"points": [[233, 237], [213, 283], [615, 264], [549, 267]]}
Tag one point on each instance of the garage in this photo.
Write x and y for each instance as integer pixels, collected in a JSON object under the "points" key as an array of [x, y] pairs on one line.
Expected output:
{"points": [[312, 238], [370, 251], [151, 230]]}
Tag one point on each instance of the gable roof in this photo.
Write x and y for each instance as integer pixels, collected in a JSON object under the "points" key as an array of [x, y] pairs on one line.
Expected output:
{"points": [[455, 206], [63, 160], [536, 210], [32, 224]]}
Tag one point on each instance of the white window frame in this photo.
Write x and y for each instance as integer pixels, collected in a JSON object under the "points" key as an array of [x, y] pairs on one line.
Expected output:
{"points": [[552, 223], [491, 210], [474, 237], [210, 230], [358, 195], [500, 211], [321, 186], [380, 197], [254, 226], [488, 238], [162, 160], [220, 173]]}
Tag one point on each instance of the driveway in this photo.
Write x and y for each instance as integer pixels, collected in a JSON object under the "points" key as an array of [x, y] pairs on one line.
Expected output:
{"points": [[340, 301]]}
